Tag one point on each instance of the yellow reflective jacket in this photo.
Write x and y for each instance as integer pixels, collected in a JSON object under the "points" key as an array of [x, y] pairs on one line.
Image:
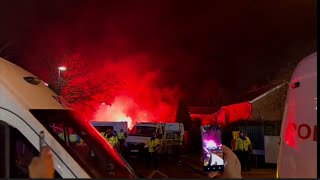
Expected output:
{"points": [[103, 134], [157, 142], [73, 138], [121, 135], [152, 144], [61, 136], [112, 140], [242, 145]]}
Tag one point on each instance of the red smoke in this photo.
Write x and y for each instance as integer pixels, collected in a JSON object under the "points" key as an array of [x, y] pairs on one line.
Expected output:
{"points": [[119, 111], [141, 98], [133, 89], [111, 48]]}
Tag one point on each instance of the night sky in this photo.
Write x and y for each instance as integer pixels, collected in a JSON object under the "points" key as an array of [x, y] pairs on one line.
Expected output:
{"points": [[205, 47]]}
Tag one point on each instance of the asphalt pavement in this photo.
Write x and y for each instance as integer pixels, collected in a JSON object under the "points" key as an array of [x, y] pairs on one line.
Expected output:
{"points": [[185, 166], [195, 163], [169, 166]]}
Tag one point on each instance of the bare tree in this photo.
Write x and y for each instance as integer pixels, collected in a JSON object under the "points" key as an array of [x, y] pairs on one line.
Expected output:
{"points": [[77, 86]]}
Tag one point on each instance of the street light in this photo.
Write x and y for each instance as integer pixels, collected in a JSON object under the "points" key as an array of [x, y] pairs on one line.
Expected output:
{"points": [[61, 68]]}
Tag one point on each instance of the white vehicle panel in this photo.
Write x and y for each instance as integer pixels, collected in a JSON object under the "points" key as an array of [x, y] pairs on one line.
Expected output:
{"points": [[32, 96], [298, 147]]}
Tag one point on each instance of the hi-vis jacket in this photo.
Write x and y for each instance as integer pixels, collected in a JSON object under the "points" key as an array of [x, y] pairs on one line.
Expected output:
{"points": [[72, 137], [242, 145], [121, 135], [152, 144], [112, 140]]}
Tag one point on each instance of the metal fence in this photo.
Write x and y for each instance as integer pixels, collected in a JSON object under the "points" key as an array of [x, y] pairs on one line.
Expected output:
{"points": [[255, 130]]}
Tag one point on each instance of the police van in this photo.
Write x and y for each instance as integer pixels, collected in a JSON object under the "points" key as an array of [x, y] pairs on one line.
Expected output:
{"points": [[298, 143], [27, 107], [169, 134], [103, 126]]}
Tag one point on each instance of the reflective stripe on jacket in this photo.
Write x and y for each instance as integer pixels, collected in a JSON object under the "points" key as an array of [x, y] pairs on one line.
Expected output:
{"points": [[73, 138]]}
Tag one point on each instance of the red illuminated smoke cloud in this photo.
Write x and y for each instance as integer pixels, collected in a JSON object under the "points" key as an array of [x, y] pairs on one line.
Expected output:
{"points": [[141, 97]]}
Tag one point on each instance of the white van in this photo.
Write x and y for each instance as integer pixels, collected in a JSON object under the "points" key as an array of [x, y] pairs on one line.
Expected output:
{"points": [[103, 126], [298, 145], [28, 106], [169, 135]]}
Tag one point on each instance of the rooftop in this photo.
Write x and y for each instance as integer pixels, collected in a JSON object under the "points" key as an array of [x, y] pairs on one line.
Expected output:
{"points": [[203, 110]]}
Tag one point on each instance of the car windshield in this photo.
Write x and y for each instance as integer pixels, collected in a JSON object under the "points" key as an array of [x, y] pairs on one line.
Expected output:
{"points": [[146, 131], [93, 153]]}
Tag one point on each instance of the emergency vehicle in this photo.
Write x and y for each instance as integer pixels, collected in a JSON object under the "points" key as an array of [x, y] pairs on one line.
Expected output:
{"points": [[169, 134], [28, 106], [103, 126], [298, 143]]}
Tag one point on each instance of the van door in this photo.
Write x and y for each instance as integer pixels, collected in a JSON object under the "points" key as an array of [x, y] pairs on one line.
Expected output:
{"points": [[160, 133], [298, 146], [4, 150], [16, 153]]}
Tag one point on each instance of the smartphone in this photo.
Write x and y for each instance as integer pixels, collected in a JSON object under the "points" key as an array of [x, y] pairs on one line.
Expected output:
{"points": [[41, 140], [212, 148]]}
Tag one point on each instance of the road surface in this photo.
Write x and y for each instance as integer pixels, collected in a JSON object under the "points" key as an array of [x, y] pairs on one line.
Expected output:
{"points": [[183, 168], [171, 167]]}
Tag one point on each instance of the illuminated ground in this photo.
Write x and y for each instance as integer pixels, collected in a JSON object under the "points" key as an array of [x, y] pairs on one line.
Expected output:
{"points": [[184, 167], [169, 166]]}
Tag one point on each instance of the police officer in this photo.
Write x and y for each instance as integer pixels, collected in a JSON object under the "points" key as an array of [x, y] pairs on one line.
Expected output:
{"points": [[121, 139], [243, 149], [111, 138], [181, 139], [153, 149]]}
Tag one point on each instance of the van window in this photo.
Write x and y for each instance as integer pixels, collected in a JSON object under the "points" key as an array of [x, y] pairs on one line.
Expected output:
{"points": [[103, 129], [2, 150], [146, 131], [84, 144], [20, 153]]}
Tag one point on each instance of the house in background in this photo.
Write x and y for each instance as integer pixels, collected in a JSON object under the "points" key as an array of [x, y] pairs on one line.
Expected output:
{"points": [[260, 116], [264, 104], [204, 114], [268, 106]]}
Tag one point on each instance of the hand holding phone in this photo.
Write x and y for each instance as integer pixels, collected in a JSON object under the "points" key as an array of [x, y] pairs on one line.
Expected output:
{"points": [[41, 140], [212, 148], [42, 166], [232, 167]]}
